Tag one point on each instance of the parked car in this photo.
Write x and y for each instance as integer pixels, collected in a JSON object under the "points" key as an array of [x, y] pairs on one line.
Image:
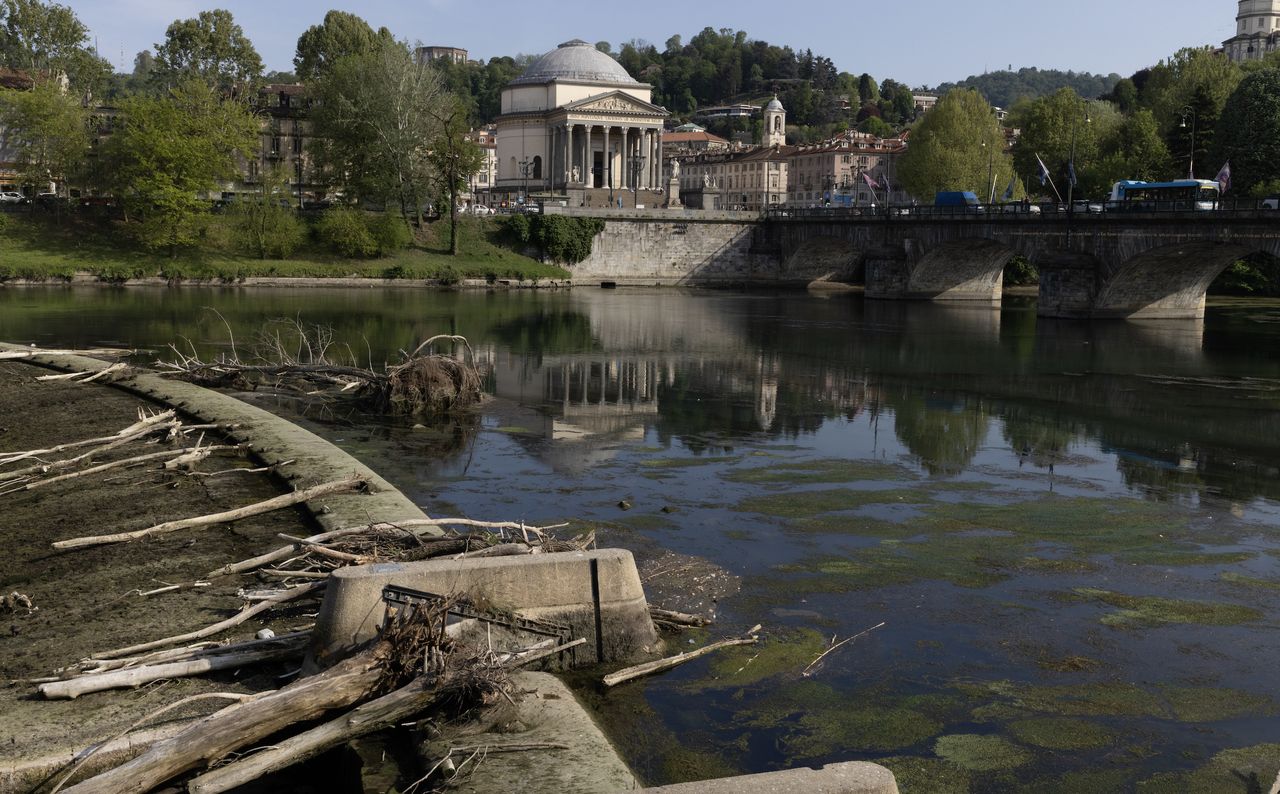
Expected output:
{"points": [[10, 197], [1271, 203]]}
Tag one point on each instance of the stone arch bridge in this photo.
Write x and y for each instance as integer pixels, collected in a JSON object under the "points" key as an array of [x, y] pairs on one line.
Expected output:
{"points": [[1112, 264]]}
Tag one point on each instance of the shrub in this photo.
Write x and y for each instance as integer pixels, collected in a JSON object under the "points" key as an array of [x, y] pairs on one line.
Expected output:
{"points": [[389, 232], [564, 239], [266, 229], [344, 230]]}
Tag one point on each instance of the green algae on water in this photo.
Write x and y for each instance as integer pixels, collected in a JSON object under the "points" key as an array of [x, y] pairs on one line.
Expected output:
{"points": [[1211, 704], [1146, 611], [1061, 733], [927, 775], [1230, 771], [802, 504], [789, 651], [979, 753], [820, 471], [1249, 581], [1103, 781], [685, 463], [843, 730]]}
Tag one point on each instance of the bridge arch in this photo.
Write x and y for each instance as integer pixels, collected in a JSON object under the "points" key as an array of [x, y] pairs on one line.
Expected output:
{"points": [[967, 269], [824, 258], [1169, 281]]}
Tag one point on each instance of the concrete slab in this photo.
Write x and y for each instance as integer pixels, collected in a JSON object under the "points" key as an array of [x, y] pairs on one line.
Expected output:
{"points": [[597, 593], [855, 777], [546, 713]]}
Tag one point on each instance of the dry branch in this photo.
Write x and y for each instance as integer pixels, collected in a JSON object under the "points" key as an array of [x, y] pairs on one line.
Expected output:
{"points": [[678, 618], [217, 628], [143, 425], [133, 677], [808, 671], [118, 464], [648, 668], [15, 355], [288, 500]]}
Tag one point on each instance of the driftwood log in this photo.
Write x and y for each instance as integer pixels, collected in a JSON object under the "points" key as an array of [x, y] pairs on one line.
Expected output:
{"points": [[133, 677], [384, 665], [348, 485], [649, 668]]}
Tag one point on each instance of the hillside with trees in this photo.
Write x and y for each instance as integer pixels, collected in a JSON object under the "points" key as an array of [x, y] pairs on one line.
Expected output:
{"points": [[1004, 88]]}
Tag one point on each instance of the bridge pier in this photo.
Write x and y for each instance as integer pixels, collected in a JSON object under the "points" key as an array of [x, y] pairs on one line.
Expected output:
{"points": [[1068, 284]]}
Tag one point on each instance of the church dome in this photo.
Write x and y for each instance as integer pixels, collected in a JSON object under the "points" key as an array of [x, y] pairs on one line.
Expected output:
{"points": [[575, 61], [774, 106]]}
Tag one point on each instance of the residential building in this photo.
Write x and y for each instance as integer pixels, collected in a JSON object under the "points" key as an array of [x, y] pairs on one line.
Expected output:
{"points": [[840, 172], [727, 112], [454, 54], [481, 183], [924, 102], [1257, 31], [283, 144], [745, 179]]}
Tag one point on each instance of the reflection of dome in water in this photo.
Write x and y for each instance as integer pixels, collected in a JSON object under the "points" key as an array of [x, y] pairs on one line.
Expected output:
{"points": [[576, 61]]}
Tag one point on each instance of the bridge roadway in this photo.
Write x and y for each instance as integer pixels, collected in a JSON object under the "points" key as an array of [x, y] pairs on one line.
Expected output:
{"points": [[1092, 264]]}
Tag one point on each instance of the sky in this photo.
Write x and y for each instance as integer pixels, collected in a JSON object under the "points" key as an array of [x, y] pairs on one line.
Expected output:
{"points": [[922, 43]]}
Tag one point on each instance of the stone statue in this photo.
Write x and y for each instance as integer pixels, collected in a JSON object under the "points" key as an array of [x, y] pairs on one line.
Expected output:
{"points": [[675, 169], [706, 181], [577, 174]]}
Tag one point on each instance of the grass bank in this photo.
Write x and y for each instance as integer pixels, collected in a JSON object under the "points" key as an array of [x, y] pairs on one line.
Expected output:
{"points": [[38, 248]]}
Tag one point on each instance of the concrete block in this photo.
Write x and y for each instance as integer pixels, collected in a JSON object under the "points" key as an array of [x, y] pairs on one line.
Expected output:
{"points": [[583, 589], [854, 777]]}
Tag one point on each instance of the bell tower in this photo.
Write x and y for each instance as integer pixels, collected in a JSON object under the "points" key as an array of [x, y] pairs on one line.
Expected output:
{"points": [[775, 124]]}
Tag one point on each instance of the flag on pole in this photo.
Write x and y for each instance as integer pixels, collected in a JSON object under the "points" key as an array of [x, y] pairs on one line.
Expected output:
{"points": [[1044, 171], [1008, 192], [1071, 174], [1224, 177], [871, 183]]}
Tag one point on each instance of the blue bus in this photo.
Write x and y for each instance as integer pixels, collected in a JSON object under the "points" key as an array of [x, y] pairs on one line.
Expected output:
{"points": [[1181, 194]]}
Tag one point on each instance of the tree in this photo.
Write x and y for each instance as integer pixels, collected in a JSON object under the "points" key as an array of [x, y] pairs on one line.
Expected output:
{"points": [[374, 126], [49, 129], [265, 223], [38, 38], [212, 48], [1134, 150], [1058, 128], [868, 90], [340, 35], [171, 149], [455, 158], [955, 147], [1249, 131]]}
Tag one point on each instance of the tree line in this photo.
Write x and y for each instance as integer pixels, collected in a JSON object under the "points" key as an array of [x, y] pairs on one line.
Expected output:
{"points": [[1188, 115], [384, 128]]}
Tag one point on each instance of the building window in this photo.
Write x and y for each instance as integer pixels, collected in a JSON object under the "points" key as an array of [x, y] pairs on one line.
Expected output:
{"points": [[297, 144]]}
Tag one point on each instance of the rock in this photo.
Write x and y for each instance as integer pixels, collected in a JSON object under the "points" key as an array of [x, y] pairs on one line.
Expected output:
{"points": [[624, 505], [266, 634]]}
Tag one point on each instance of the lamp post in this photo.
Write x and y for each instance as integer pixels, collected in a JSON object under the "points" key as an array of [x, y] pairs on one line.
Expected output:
{"points": [[525, 165], [1071, 181], [991, 175], [1190, 111]]}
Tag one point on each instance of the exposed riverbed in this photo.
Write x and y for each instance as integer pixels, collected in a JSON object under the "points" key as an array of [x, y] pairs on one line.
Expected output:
{"points": [[1071, 530]]}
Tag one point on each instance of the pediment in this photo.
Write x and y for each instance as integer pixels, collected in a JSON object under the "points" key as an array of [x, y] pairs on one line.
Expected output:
{"points": [[614, 102]]}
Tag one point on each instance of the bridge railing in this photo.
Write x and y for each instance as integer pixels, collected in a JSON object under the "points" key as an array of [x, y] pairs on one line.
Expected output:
{"points": [[1028, 210]]}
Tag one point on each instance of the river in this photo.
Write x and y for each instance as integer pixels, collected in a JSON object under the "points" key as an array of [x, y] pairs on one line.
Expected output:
{"points": [[1070, 530]]}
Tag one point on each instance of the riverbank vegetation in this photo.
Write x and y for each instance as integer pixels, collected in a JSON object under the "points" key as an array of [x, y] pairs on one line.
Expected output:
{"points": [[37, 248]]}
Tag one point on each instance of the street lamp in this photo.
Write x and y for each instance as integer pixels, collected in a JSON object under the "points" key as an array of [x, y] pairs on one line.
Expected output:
{"points": [[991, 175], [1190, 111], [525, 165], [1071, 181]]}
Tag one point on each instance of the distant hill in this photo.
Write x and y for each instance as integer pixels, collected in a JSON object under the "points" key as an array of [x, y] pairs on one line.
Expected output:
{"points": [[1004, 88]]}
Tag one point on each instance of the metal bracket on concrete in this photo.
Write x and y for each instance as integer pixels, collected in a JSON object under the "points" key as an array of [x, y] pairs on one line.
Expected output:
{"points": [[404, 600]]}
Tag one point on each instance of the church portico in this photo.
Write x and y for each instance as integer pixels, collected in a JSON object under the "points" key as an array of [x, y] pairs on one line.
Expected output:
{"points": [[575, 121]]}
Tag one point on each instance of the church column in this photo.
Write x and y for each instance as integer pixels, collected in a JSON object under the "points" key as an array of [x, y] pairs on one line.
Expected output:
{"points": [[625, 178], [588, 175], [606, 163], [568, 153], [654, 176]]}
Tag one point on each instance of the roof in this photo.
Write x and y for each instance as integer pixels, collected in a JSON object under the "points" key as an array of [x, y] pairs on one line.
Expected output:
{"points": [[575, 61], [697, 136], [292, 89], [773, 106]]}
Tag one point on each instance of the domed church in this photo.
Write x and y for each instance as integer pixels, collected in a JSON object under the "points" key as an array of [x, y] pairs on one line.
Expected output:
{"points": [[574, 122]]}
